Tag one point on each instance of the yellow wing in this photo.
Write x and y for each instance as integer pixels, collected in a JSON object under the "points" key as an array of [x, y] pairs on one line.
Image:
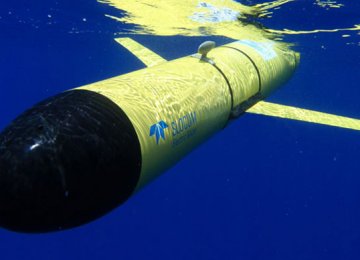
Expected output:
{"points": [[150, 58], [305, 115]]}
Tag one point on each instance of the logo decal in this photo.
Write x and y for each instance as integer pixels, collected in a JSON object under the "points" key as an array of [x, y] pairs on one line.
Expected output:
{"points": [[158, 130], [265, 49]]}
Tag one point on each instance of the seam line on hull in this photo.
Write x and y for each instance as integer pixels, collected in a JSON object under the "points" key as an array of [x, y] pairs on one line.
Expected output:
{"points": [[224, 76], [230, 89], [251, 60]]}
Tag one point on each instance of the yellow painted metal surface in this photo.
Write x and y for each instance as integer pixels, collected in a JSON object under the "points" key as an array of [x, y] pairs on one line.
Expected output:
{"points": [[273, 60], [177, 105], [300, 114], [266, 108], [148, 57], [168, 93]]}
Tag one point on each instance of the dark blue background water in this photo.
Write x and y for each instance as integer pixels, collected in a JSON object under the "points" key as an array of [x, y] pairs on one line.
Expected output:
{"points": [[264, 188]]}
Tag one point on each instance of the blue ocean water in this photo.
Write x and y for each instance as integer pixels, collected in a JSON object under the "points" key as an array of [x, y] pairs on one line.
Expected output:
{"points": [[263, 188]]}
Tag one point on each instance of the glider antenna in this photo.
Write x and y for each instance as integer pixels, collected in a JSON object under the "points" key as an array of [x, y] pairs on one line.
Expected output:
{"points": [[204, 49]]}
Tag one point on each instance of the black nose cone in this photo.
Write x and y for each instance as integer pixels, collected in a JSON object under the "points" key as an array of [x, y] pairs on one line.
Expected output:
{"points": [[65, 162]]}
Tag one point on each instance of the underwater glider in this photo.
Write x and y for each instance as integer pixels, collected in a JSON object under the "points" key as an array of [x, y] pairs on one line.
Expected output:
{"points": [[76, 156]]}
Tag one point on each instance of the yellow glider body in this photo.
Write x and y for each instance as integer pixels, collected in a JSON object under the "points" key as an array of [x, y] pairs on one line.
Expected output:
{"points": [[262, 107], [174, 106]]}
